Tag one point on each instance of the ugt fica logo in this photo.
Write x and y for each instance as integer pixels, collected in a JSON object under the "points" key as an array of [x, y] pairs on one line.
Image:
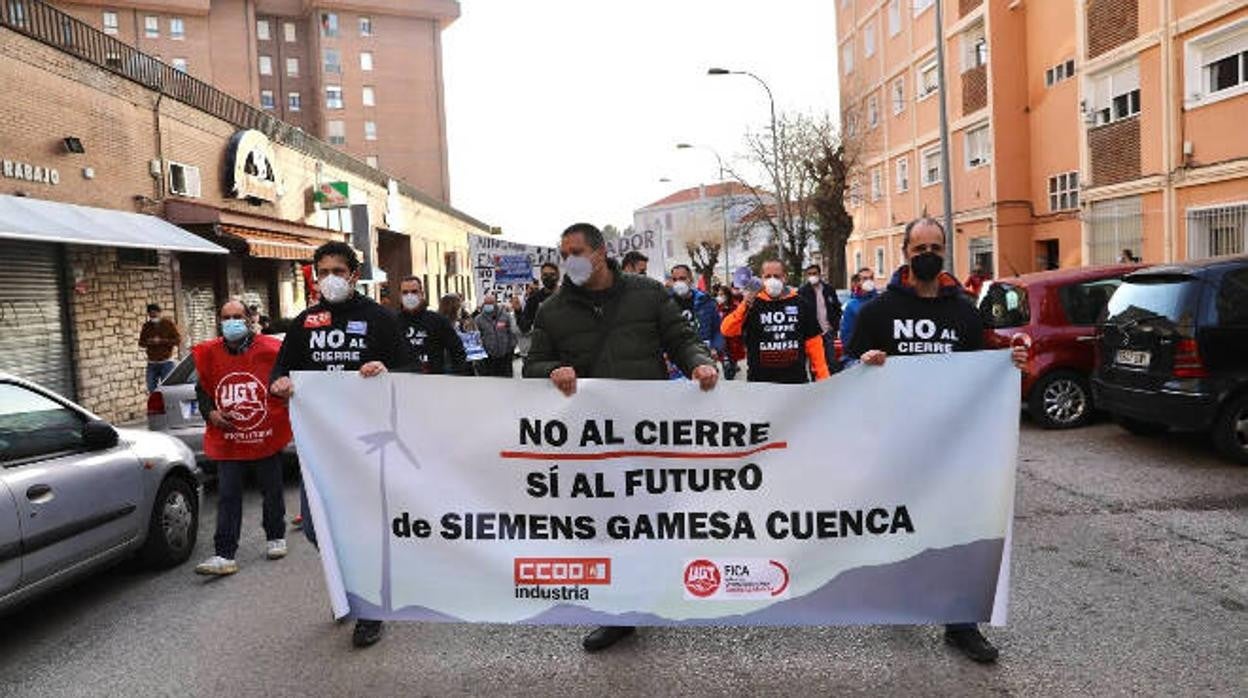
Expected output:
{"points": [[738, 578], [242, 400], [702, 578]]}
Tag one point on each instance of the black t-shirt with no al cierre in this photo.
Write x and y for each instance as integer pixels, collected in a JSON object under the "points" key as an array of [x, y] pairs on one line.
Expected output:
{"points": [[898, 322], [775, 333], [342, 337]]}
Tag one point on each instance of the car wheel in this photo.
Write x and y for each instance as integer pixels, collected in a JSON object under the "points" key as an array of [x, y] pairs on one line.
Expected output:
{"points": [[1061, 400], [1140, 427], [173, 525], [1230, 432]]}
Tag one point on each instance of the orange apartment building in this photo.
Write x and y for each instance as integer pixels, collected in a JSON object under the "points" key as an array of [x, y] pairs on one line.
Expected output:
{"points": [[363, 75], [1078, 128]]}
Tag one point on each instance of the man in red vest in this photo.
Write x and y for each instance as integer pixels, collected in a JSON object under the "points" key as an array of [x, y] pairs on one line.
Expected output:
{"points": [[247, 428]]}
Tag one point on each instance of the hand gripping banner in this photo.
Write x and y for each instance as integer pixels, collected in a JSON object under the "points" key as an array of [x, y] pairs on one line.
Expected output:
{"points": [[881, 495]]}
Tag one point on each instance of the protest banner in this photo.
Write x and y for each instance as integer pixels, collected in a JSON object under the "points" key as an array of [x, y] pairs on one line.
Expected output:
{"points": [[503, 267], [881, 495]]}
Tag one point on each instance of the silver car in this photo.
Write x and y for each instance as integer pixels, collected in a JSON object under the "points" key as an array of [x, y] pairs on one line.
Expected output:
{"points": [[77, 494]]}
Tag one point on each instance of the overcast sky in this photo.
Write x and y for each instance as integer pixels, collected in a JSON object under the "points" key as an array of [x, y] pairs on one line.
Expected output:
{"points": [[566, 110]]}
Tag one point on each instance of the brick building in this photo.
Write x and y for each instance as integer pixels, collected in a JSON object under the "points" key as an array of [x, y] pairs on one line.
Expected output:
{"points": [[103, 150], [1078, 128]]}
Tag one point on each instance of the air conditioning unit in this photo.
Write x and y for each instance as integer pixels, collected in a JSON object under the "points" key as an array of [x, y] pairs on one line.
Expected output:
{"points": [[184, 180]]}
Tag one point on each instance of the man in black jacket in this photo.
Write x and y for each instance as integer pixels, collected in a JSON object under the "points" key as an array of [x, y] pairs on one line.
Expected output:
{"points": [[527, 314], [345, 331], [822, 298], [432, 338]]}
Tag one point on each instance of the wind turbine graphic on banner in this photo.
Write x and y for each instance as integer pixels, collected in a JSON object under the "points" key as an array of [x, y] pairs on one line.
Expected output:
{"points": [[378, 442]]}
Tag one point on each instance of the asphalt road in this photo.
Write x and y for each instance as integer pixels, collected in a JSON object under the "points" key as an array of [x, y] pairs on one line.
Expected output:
{"points": [[1130, 576]]}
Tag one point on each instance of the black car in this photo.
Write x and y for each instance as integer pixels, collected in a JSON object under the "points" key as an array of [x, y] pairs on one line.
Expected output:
{"points": [[1174, 352]]}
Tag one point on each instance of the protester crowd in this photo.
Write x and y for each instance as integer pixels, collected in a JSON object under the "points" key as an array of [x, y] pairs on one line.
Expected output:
{"points": [[593, 317]]}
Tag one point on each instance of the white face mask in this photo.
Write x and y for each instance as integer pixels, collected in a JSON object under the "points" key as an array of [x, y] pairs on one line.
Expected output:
{"points": [[867, 286], [411, 301], [721, 299], [813, 279], [773, 286], [578, 269], [334, 288], [680, 288]]}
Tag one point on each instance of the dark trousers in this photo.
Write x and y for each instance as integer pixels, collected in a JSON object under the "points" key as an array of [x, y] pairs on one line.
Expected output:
{"points": [[230, 501], [500, 366]]}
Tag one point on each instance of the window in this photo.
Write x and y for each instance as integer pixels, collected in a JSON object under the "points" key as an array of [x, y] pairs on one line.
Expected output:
{"points": [[370, 130], [333, 61], [877, 184], [184, 180], [1005, 305], [133, 257], [177, 29], [855, 191], [974, 48], [894, 17], [1085, 303], [879, 261], [1064, 191], [1232, 303], [847, 56], [921, 5], [333, 97], [1217, 230], [978, 145], [372, 161], [289, 33], [294, 102], [366, 26], [266, 99], [180, 64], [902, 167], [263, 29], [151, 27], [857, 260], [928, 81], [292, 67], [1115, 95], [266, 65], [899, 95], [336, 132], [1113, 226], [33, 425], [329, 24], [1216, 64], [369, 97], [873, 112], [868, 40], [1060, 72], [110, 22], [931, 166], [366, 60]]}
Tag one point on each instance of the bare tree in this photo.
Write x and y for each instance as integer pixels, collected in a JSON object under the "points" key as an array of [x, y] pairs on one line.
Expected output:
{"points": [[703, 238], [832, 166]]}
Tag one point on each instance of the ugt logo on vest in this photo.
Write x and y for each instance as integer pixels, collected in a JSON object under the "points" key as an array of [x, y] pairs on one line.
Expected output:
{"points": [[243, 400]]}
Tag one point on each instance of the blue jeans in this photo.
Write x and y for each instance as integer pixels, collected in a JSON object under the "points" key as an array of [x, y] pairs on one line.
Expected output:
{"points": [[157, 371], [230, 501]]}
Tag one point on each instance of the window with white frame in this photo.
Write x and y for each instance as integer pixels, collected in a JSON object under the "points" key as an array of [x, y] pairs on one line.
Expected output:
{"points": [[292, 67], [931, 166], [369, 96], [184, 180], [266, 65], [1115, 95], [266, 99], [289, 32], [877, 184], [899, 95], [333, 97], [329, 24], [894, 17], [974, 48], [370, 130], [1216, 64], [366, 60], [366, 26], [868, 40], [1060, 72], [929, 79], [151, 27], [180, 64], [264, 30], [901, 168], [847, 56], [1217, 230], [873, 112], [336, 132], [857, 260], [177, 28], [1064, 191], [333, 61], [921, 5], [294, 101], [978, 145], [110, 22], [879, 261]]}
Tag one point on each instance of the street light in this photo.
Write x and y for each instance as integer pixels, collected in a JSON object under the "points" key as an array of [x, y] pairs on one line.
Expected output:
{"points": [[723, 209], [781, 208]]}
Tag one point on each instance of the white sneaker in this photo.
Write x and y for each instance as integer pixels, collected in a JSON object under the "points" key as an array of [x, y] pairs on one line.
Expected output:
{"points": [[276, 549], [217, 565]]}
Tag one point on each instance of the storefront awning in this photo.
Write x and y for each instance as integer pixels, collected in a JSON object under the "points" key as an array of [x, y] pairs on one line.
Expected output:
{"points": [[274, 245], [23, 218]]}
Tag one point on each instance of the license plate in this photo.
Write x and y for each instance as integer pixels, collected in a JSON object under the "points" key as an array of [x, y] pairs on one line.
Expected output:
{"points": [[190, 408], [1134, 359]]}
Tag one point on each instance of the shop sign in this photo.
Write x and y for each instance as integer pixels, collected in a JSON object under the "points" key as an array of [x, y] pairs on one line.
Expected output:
{"points": [[14, 169], [250, 169]]}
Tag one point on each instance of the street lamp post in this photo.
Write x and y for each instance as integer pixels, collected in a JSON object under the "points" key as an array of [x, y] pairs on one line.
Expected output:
{"points": [[781, 207], [723, 210]]}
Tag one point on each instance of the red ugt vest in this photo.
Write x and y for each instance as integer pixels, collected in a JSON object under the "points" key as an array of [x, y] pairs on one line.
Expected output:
{"points": [[239, 386]]}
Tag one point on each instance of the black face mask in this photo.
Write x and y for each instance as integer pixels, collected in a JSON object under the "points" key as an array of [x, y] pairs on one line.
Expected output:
{"points": [[926, 266], [549, 281]]}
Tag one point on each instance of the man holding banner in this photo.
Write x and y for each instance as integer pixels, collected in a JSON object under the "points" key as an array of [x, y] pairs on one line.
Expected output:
{"points": [[925, 311], [604, 323]]}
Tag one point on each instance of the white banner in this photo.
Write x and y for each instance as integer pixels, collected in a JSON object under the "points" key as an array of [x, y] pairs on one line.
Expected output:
{"points": [[881, 495], [503, 267]]}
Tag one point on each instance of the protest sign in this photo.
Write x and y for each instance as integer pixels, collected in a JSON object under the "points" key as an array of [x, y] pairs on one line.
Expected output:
{"points": [[503, 267]]}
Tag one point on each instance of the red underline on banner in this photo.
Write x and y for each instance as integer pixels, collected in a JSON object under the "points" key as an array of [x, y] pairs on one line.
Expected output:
{"points": [[610, 455]]}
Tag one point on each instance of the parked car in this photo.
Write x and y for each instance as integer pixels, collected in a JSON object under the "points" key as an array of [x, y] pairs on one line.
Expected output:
{"points": [[1060, 309], [77, 494], [1174, 352]]}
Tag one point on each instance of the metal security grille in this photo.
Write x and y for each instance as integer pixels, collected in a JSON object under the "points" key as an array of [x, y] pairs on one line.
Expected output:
{"points": [[33, 327], [1113, 226], [1217, 231]]}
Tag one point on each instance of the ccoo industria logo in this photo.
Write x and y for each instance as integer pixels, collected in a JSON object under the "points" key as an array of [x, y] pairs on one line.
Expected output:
{"points": [[559, 578]]}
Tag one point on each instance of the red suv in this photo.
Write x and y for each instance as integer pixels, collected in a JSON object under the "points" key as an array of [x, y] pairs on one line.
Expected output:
{"points": [[1060, 309]]}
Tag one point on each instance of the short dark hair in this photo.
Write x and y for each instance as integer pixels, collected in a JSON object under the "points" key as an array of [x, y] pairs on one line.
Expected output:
{"points": [[632, 257], [867, 269], [815, 267], [593, 236], [765, 262], [153, 307], [412, 277], [922, 220], [682, 266], [334, 248], [550, 265], [854, 279]]}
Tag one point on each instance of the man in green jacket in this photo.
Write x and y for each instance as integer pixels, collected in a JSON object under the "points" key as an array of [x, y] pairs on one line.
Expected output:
{"points": [[603, 323]]}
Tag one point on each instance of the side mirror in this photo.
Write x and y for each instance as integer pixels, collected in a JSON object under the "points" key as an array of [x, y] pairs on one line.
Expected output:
{"points": [[98, 435]]}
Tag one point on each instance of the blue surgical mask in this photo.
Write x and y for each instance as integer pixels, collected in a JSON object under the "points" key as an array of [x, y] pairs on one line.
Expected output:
{"points": [[233, 329], [487, 308]]}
